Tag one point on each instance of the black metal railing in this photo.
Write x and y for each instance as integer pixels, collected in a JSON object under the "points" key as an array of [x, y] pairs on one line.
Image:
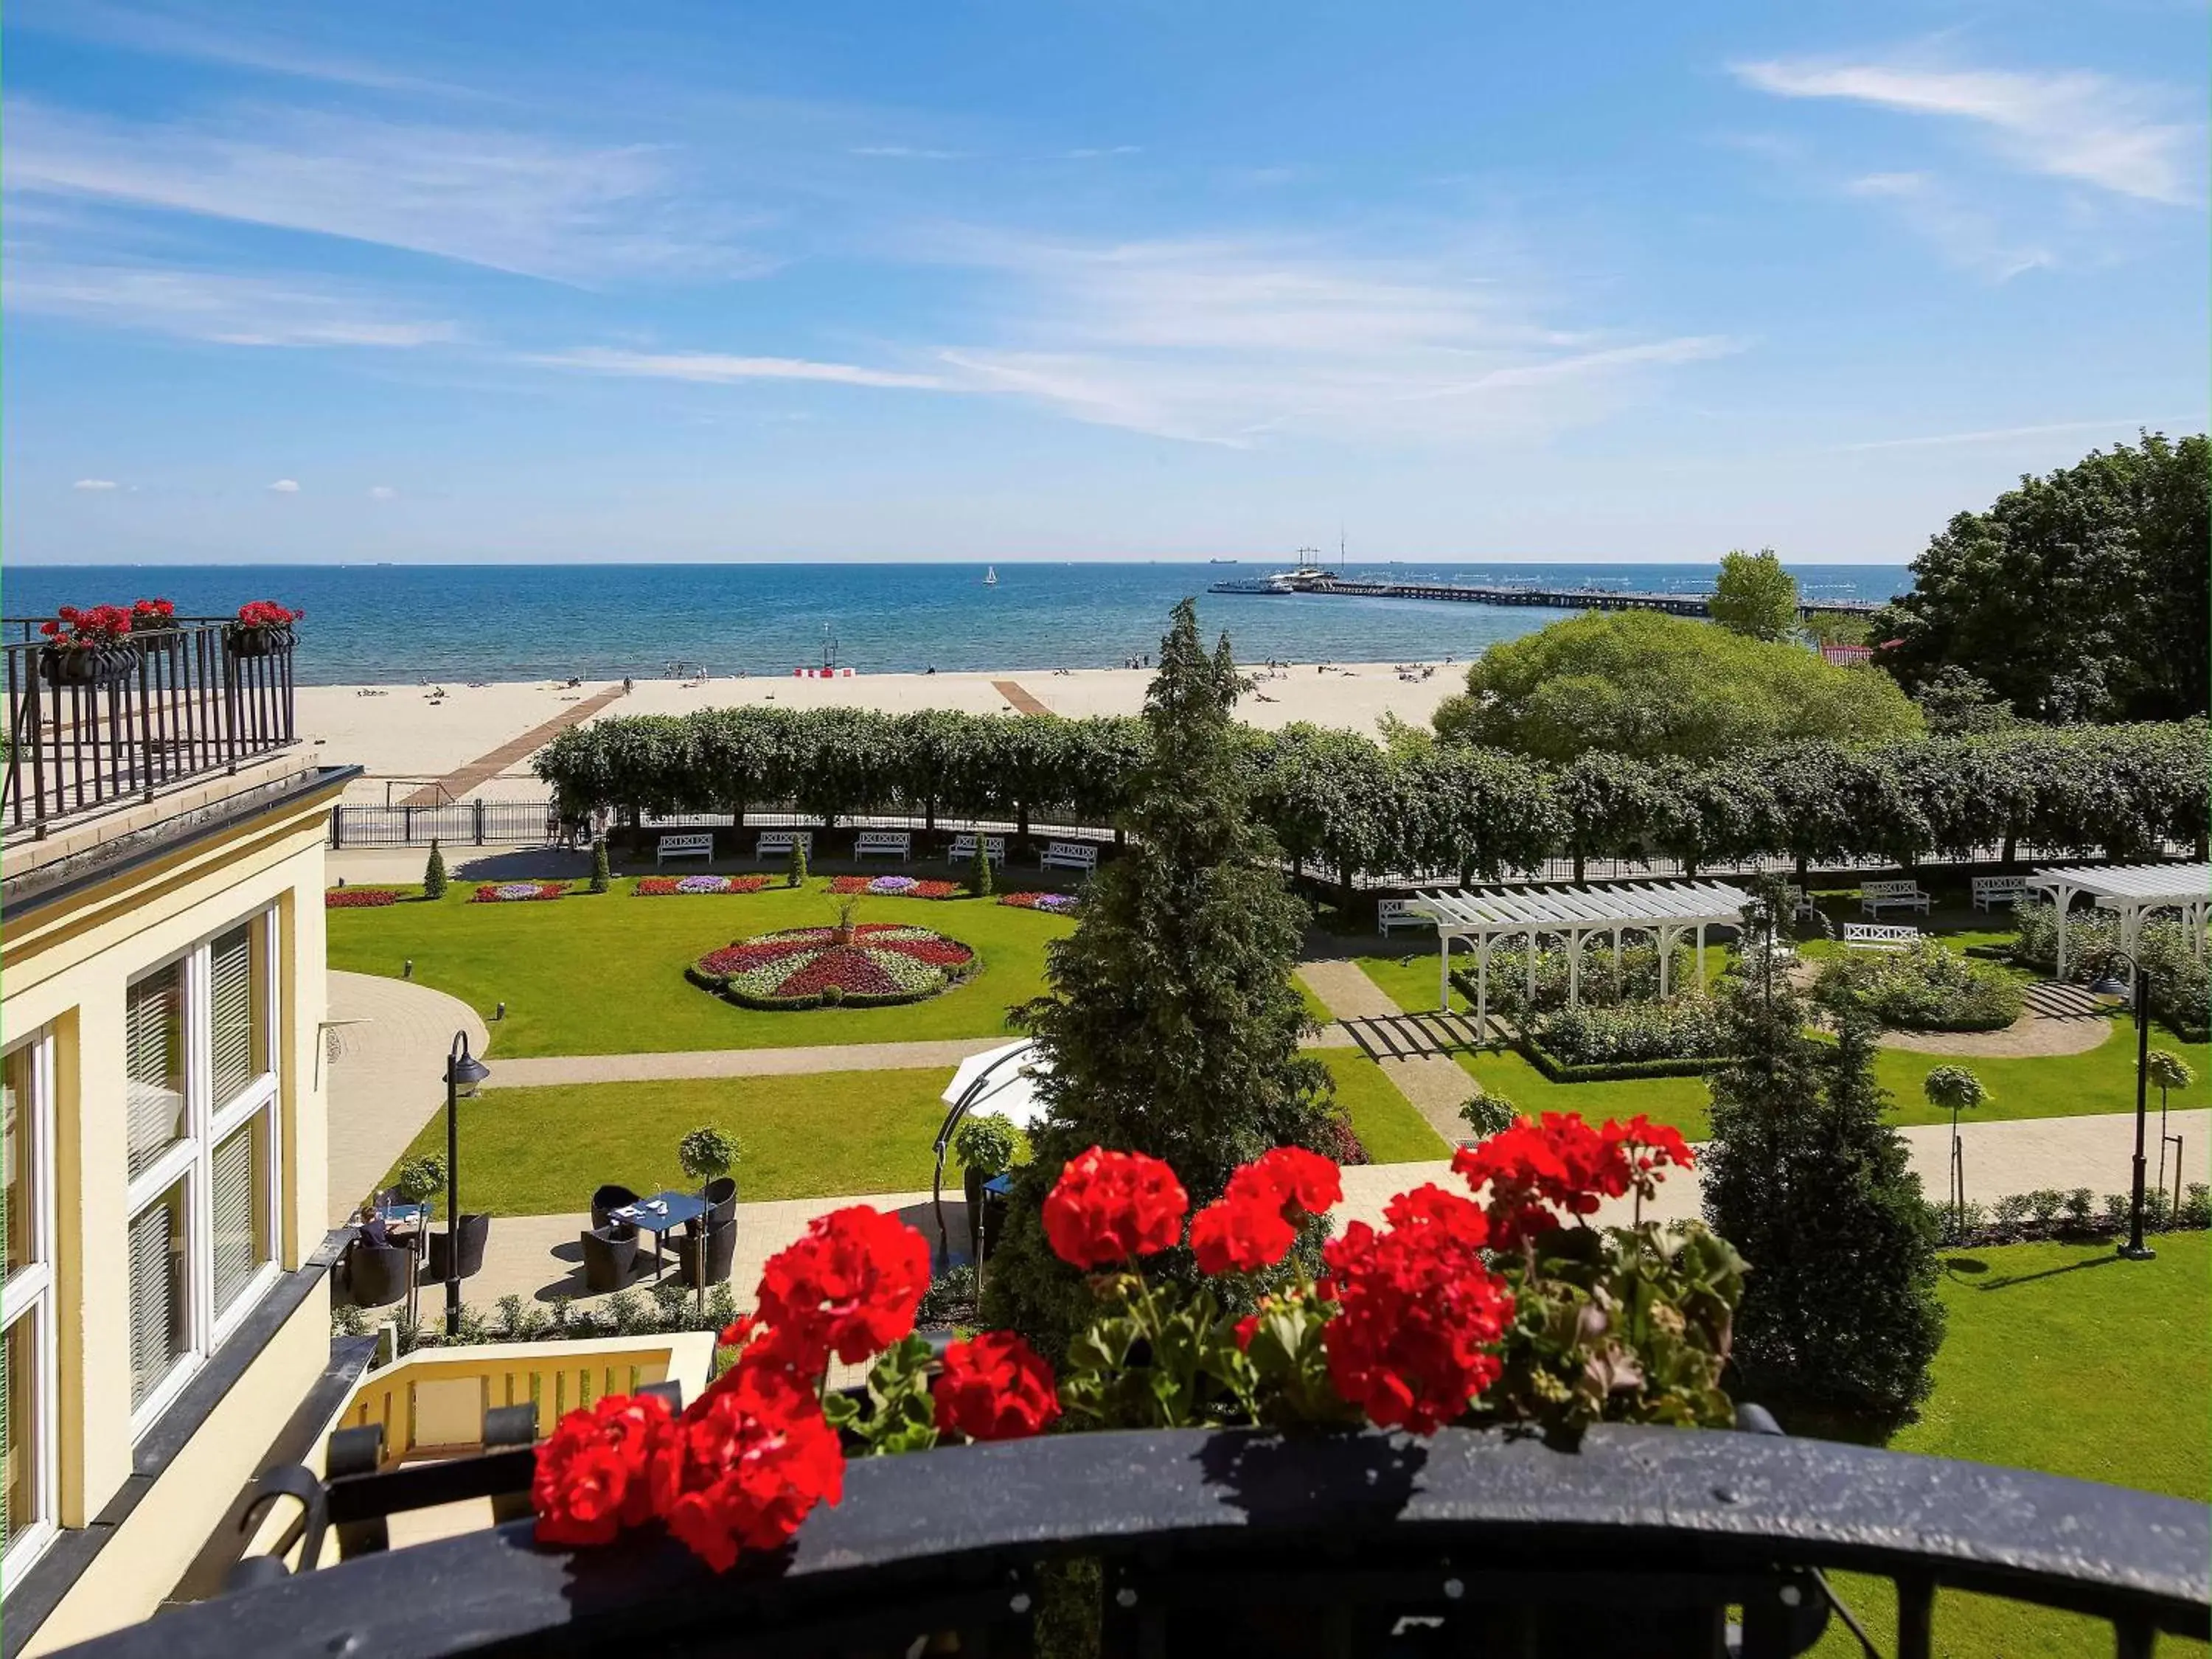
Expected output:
{"points": [[91, 728], [1650, 1541]]}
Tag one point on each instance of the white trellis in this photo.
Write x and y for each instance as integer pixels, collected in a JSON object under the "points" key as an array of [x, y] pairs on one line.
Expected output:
{"points": [[1666, 910], [2133, 891]]}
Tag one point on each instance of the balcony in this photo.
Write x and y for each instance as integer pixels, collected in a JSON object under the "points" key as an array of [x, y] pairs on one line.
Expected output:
{"points": [[171, 707], [1646, 1541]]}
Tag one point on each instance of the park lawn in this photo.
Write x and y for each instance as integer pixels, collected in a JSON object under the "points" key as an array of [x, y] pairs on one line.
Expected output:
{"points": [[1680, 1102], [599, 974], [1384, 1120], [542, 1150], [2064, 1359]]}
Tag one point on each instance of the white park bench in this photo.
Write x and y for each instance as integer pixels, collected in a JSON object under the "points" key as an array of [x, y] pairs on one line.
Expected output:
{"points": [[1399, 913], [1801, 908], [1069, 856], [1989, 891], [1875, 936], [685, 847], [964, 849], [778, 843], [1875, 897], [888, 843]]}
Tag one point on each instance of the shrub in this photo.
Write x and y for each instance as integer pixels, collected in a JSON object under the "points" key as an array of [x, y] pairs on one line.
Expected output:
{"points": [[2079, 1203], [2196, 1207], [433, 873], [707, 1153], [2045, 1202], [988, 1144], [2180, 986], [1927, 987], [1687, 1028], [2013, 1209], [602, 875], [1487, 1114], [419, 1178], [796, 876], [979, 870]]}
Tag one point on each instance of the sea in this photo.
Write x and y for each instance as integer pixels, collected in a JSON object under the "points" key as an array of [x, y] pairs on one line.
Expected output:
{"points": [[399, 624]]}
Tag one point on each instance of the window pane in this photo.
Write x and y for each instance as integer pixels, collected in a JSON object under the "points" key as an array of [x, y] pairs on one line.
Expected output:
{"points": [[241, 1209], [154, 1018], [18, 1380], [234, 1008], [15, 1153], [157, 1293]]}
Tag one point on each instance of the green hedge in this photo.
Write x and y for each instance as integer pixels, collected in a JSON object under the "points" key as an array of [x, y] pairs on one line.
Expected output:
{"points": [[1619, 1071], [1339, 804]]}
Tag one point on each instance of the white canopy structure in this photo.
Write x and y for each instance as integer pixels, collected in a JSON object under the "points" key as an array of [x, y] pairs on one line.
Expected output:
{"points": [[1666, 910], [2133, 891], [1003, 1081]]}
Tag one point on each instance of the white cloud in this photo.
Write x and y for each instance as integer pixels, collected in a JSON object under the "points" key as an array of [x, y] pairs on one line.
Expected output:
{"points": [[381, 492], [509, 200], [1091, 153], [2073, 125], [228, 310], [2123, 431], [93, 483], [285, 487], [1963, 230], [908, 153], [715, 369]]}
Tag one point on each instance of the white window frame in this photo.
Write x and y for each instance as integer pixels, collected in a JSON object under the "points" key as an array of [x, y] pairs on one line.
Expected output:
{"points": [[28, 1294], [192, 1160]]}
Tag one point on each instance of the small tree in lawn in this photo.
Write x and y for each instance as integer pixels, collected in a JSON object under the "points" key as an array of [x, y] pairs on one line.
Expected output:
{"points": [[433, 873], [979, 869], [1171, 1025], [1803, 1176], [2166, 1070], [797, 875], [1954, 1089], [707, 1154], [602, 875]]}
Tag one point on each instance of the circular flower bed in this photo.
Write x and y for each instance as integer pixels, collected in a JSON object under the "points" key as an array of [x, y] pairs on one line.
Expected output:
{"points": [[894, 887], [1061, 904], [664, 886], [806, 968], [518, 892]]}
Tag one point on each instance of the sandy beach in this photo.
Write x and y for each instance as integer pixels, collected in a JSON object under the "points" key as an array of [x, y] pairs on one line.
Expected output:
{"points": [[407, 736]]}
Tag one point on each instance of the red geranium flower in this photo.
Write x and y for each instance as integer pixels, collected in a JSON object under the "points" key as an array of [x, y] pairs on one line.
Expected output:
{"points": [[266, 613], [995, 1388], [1109, 1207], [849, 1288], [1417, 1311], [1243, 1234], [594, 1474], [746, 1464]]}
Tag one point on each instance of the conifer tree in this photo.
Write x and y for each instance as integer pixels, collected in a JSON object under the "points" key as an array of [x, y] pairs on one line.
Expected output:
{"points": [[979, 869], [1803, 1176], [602, 873], [433, 872], [796, 877], [1172, 1024]]}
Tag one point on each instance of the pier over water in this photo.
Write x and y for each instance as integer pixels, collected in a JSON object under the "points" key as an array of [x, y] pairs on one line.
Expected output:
{"points": [[1555, 599]]}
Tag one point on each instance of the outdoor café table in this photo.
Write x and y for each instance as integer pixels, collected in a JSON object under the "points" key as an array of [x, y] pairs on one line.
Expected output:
{"points": [[659, 1215], [407, 1224]]}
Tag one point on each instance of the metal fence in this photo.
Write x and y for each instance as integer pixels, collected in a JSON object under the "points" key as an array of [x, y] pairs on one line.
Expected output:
{"points": [[468, 822]]}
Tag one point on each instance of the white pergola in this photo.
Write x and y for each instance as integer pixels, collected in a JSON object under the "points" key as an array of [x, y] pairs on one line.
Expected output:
{"points": [[2133, 891], [1665, 909]]}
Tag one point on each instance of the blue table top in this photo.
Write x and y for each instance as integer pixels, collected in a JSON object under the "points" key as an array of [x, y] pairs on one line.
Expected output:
{"points": [[661, 1212], [405, 1215]]}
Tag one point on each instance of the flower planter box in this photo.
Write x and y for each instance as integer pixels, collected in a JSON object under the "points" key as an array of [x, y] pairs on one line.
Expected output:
{"points": [[86, 665], [257, 642]]}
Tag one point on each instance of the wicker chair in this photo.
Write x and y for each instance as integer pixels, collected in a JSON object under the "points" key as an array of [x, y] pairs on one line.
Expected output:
{"points": [[612, 1196], [610, 1257]]}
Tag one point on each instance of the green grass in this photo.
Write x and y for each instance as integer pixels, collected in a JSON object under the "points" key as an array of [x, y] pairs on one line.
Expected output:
{"points": [[2061, 1358], [542, 1150], [1680, 1102], [1385, 1120], [604, 974]]}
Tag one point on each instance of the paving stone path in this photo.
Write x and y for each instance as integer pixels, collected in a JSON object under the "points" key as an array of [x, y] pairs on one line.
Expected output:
{"points": [[1427, 1077], [485, 768], [384, 1059]]}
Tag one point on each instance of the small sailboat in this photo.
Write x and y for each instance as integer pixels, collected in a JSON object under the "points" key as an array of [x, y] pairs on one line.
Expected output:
{"points": [[990, 576]]}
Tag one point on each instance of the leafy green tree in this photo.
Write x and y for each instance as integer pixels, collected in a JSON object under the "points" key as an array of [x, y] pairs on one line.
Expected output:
{"points": [[1803, 1176], [1171, 1025], [1755, 597], [1954, 1089], [433, 872], [1956, 703], [1653, 687], [2079, 596], [1839, 627]]}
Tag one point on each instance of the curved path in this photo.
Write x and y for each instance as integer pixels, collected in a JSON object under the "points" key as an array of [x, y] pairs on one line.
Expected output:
{"points": [[2060, 1019], [385, 1072]]}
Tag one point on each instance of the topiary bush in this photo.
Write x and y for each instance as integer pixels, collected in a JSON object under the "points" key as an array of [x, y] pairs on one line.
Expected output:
{"points": [[433, 872], [1688, 1028], [988, 1144], [1927, 987]]}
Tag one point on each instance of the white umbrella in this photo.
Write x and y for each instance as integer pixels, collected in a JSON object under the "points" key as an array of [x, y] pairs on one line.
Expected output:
{"points": [[1008, 1087]]}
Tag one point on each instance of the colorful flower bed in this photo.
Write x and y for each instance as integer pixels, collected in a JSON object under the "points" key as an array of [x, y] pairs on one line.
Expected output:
{"points": [[518, 892], [664, 886], [806, 968], [896, 887], [359, 898], [1060, 904], [1466, 1308]]}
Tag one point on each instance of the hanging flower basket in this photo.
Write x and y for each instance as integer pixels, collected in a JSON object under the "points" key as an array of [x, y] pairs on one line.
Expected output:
{"points": [[263, 629], [88, 647]]}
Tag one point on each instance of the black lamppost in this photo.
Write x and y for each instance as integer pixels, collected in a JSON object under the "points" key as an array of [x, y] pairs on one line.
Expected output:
{"points": [[2111, 989], [464, 1071]]}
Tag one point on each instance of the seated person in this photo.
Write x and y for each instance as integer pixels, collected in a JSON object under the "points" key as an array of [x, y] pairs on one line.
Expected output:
{"points": [[372, 1231]]}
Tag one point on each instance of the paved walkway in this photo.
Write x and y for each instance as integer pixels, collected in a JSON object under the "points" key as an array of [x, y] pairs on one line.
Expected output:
{"points": [[1019, 696], [1434, 1083], [2059, 1020], [739, 1062], [385, 1074], [485, 768]]}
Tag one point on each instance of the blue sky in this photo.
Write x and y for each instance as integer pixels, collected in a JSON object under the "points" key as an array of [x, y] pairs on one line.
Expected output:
{"points": [[1086, 280]]}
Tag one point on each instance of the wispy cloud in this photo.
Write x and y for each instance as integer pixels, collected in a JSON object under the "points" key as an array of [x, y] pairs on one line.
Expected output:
{"points": [[215, 306], [908, 153], [717, 369], [382, 492], [2120, 430], [1091, 153], [1965, 232], [2092, 128], [514, 202], [285, 487], [94, 485]]}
